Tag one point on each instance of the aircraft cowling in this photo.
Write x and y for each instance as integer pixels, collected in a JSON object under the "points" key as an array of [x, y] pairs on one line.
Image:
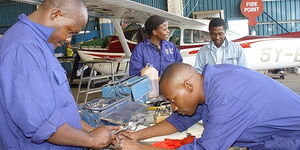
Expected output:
{"points": [[114, 45]]}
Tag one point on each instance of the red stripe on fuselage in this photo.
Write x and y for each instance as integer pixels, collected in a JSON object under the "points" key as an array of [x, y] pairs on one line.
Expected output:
{"points": [[98, 51], [251, 38], [194, 52], [191, 46], [111, 56], [247, 44], [288, 35]]}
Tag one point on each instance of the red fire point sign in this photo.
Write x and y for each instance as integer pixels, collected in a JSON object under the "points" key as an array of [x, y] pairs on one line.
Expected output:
{"points": [[251, 9]]}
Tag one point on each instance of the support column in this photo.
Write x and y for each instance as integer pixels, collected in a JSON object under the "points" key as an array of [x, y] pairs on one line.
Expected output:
{"points": [[175, 7], [116, 23]]}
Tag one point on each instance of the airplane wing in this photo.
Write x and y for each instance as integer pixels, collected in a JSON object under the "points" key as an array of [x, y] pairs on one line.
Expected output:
{"points": [[130, 11], [133, 11]]}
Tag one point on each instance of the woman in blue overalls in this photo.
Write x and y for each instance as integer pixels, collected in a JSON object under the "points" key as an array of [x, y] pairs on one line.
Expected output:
{"points": [[153, 47]]}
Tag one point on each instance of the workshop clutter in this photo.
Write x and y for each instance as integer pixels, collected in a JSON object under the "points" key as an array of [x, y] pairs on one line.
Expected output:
{"points": [[113, 111], [162, 112], [152, 73], [121, 102], [137, 87]]}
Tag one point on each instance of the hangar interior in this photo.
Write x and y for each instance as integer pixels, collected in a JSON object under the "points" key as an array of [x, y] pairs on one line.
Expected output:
{"points": [[101, 86]]}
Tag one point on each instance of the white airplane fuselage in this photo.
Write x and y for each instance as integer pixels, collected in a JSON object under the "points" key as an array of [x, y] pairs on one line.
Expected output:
{"points": [[262, 53]]}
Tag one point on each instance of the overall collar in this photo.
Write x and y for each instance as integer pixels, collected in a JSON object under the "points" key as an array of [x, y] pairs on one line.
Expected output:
{"points": [[214, 48], [42, 31]]}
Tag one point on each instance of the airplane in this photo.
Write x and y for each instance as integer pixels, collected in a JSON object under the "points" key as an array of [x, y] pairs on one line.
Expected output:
{"points": [[189, 35]]}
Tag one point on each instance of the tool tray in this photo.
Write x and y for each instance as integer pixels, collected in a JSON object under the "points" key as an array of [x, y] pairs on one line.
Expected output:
{"points": [[137, 87], [111, 111]]}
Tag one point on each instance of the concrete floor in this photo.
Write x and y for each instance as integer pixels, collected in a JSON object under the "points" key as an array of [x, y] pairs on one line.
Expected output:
{"points": [[93, 96], [291, 80]]}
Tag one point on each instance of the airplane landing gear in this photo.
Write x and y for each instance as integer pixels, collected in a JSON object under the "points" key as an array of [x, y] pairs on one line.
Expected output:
{"points": [[281, 74], [277, 72]]}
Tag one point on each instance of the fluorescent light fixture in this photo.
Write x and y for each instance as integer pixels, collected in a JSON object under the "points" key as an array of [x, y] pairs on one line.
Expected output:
{"points": [[35, 2], [82, 32]]}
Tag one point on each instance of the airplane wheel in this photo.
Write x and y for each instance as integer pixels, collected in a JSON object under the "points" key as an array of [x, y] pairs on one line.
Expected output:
{"points": [[282, 74]]}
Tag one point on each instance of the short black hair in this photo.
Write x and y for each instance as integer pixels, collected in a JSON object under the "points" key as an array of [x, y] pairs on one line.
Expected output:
{"points": [[217, 22], [153, 22]]}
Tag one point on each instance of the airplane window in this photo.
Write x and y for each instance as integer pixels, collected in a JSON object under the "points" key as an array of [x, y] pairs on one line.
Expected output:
{"points": [[187, 37], [205, 37], [195, 36], [174, 35], [130, 31], [134, 37], [130, 34]]}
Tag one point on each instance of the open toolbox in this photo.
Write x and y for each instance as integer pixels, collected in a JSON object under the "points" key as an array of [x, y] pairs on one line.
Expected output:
{"points": [[112, 111]]}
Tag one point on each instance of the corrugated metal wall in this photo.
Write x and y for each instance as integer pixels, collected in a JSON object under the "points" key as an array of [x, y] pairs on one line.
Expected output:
{"points": [[9, 13], [161, 4], [231, 7], [285, 11]]}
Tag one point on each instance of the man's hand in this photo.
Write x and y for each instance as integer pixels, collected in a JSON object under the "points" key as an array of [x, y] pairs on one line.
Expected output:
{"points": [[129, 135], [131, 145], [103, 136], [68, 135], [160, 129]]}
